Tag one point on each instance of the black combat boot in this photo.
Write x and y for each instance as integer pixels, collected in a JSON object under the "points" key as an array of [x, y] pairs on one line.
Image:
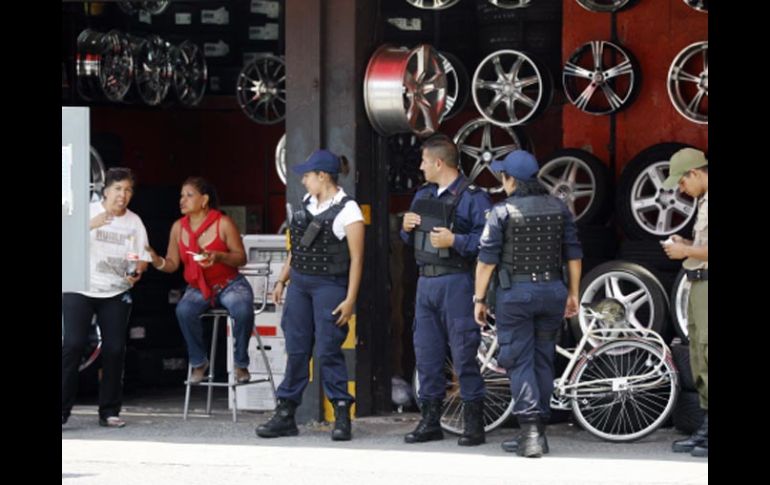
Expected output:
{"points": [[531, 441], [429, 427], [698, 439], [341, 431], [473, 430], [282, 423]]}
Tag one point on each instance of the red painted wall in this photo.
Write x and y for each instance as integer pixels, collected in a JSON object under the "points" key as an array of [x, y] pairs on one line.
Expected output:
{"points": [[654, 31], [215, 140]]}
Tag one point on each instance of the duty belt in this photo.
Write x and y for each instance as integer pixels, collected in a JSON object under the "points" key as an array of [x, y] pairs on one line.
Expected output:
{"points": [[438, 270], [697, 274], [506, 278]]}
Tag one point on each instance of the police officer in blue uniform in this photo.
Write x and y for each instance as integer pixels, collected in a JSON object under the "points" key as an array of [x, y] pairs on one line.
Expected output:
{"points": [[527, 238], [444, 224], [324, 269]]}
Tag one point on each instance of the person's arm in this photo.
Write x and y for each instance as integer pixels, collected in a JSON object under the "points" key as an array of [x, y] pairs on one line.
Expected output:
{"points": [[467, 245], [354, 233], [572, 252], [682, 250], [235, 255], [574, 268], [170, 262], [99, 220], [483, 275], [283, 279]]}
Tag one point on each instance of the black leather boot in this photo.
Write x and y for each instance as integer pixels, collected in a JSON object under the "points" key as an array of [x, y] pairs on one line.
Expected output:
{"points": [[473, 430], [700, 437], [282, 423], [429, 427], [531, 441], [341, 431]]}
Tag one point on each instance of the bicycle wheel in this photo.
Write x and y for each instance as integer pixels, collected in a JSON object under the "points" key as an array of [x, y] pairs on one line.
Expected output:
{"points": [[498, 403], [637, 396]]}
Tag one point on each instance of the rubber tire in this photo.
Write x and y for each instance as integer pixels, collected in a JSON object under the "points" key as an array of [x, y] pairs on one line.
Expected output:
{"points": [[688, 415], [659, 295], [631, 171], [681, 355]]}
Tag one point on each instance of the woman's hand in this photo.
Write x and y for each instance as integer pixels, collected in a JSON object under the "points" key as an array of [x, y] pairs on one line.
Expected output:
{"points": [[480, 313], [209, 258], [278, 292], [133, 279], [101, 219], [345, 309]]}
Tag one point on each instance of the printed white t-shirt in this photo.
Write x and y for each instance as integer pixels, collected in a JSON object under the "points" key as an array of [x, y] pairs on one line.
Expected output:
{"points": [[109, 248], [349, 214]]}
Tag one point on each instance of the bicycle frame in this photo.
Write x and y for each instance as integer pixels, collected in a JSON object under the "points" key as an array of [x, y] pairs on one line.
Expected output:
{"points": [[564, 389]]}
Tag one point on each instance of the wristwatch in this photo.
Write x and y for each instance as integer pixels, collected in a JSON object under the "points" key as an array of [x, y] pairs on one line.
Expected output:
{"points": [[479, 300]]}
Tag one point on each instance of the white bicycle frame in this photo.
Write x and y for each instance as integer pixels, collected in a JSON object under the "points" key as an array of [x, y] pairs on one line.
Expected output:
{"points": [[563, 389]]}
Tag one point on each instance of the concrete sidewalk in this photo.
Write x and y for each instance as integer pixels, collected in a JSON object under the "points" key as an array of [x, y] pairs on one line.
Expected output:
{"points": [[158, 447]]}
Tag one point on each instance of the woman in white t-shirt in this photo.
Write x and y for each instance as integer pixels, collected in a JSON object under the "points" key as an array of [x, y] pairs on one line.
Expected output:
{"points": [[117, 260], [324, 268]]}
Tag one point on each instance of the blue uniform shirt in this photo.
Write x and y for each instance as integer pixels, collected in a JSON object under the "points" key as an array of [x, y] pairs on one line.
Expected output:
{"points": [[494, 233], [470, 214]]}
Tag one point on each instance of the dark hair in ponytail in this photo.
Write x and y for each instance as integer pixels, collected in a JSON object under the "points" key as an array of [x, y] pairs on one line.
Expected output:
{"points": [[344, 169]]}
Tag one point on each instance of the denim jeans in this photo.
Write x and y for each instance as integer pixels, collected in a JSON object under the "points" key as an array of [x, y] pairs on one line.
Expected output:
{"points": [[238, 298]]}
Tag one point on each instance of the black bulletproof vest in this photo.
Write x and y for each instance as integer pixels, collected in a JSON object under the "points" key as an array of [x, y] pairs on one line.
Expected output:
{"points": [[325, 255], [436, 212], [533, 235]]}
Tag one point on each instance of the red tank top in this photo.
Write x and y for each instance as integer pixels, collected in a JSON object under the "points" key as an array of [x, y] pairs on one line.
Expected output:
{"points": [[212, 279]]}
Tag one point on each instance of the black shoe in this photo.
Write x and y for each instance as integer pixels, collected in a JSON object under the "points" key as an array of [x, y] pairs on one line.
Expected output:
{"points": [[702, 450], [64, 419], [700, 436], [512, 445], [341, 431], [429, 427], [473, 428], [282, 423]]}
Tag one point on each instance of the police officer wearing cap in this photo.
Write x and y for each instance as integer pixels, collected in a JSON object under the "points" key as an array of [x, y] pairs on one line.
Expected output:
{"points": [[444, 224], [323, 274], [527, 238], [689, 171]]}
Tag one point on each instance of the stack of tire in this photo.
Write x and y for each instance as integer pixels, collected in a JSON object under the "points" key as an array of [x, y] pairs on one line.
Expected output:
{"points": [[533, 28]]}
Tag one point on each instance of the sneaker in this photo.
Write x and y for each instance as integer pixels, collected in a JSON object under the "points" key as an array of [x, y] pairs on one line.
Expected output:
{"points": [[242, 375], [112, 422], [198, 374]]}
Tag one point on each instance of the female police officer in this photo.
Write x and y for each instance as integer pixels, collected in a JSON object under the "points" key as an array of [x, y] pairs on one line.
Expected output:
{"points": [[325, 272], [527, 236]]}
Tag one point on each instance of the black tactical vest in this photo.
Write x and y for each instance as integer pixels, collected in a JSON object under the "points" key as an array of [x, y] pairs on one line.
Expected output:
{"points": [[326, 255], [533, 235], [435, 212]]}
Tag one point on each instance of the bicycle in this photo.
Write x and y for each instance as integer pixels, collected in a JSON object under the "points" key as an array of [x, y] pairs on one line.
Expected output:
{"points": [[621, 390]]}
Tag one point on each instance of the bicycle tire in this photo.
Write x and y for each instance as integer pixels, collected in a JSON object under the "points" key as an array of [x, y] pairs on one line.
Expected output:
{"points": [[630, 414], [498, 403]]}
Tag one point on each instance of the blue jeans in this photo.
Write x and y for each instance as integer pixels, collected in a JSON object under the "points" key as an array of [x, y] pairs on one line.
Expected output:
{"points": [[238, 299]]}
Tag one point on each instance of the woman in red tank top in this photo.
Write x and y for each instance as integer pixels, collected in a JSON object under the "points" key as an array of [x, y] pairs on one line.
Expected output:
{"points": [[208, 244]]}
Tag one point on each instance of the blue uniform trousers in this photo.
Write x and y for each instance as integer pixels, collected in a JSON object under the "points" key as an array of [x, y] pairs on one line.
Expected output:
{"points": [[444, 317], [307, 319], [528, 317]]}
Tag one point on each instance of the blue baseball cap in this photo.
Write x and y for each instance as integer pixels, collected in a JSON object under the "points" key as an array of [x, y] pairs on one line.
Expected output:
{"points": [[322, 160], [519, 164]]}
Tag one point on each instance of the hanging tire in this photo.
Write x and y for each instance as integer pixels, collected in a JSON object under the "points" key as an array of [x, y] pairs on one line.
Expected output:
{"points": [[581, 181], [680, 296], [643, 297], [645, 209]]}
